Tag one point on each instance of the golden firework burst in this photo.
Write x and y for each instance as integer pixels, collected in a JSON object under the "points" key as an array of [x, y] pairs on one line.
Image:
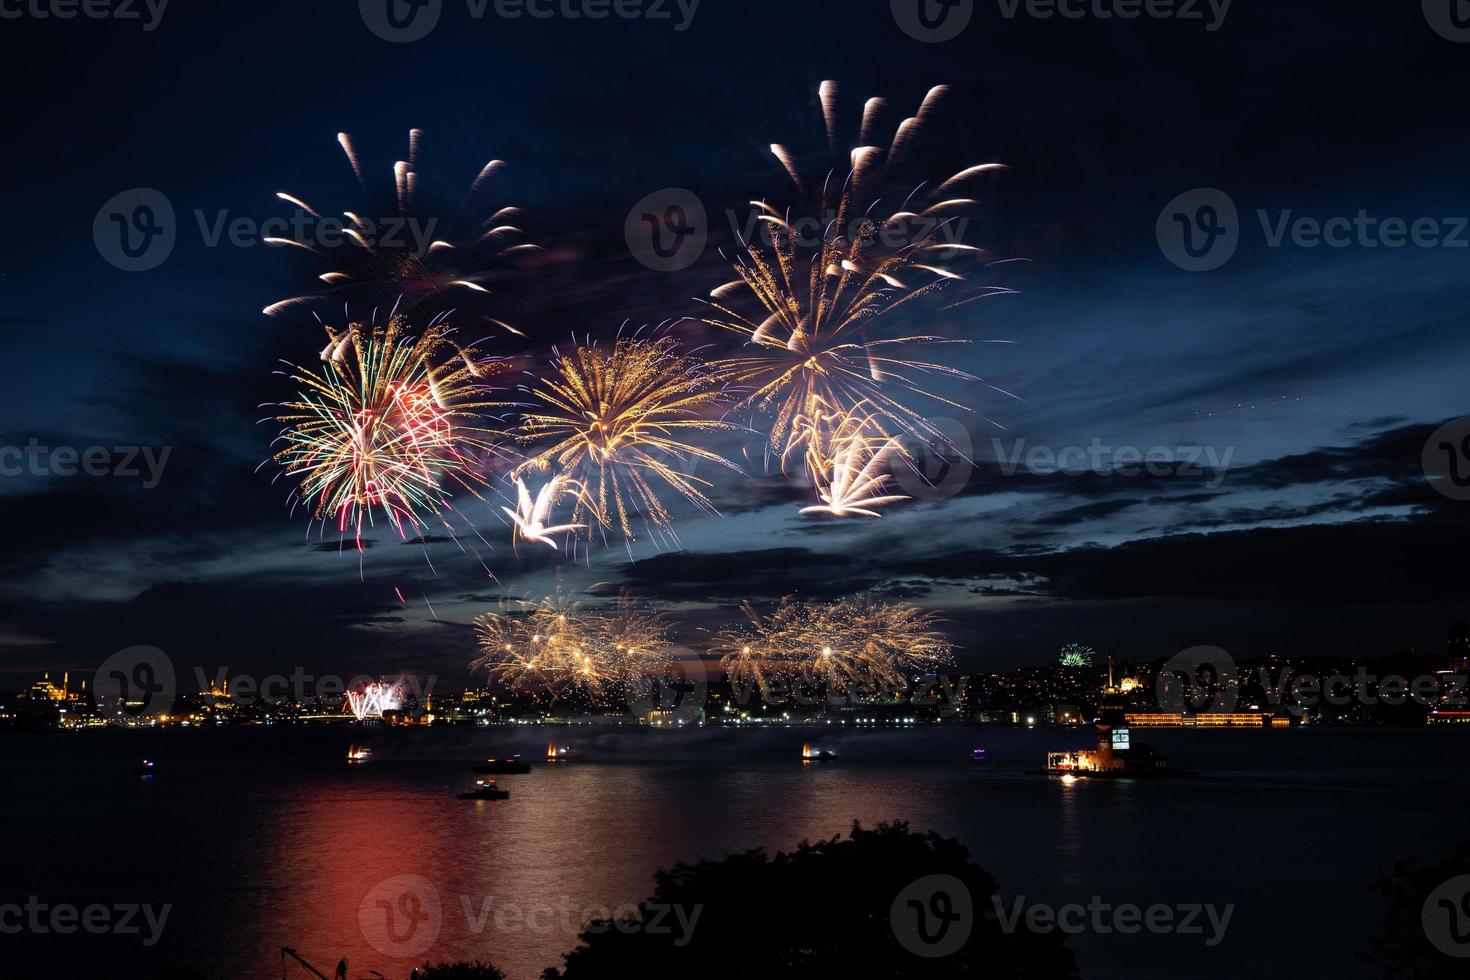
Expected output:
{"points": [[837, 298], [857, 642], [544, 646], [555, 646], [618, 421]]}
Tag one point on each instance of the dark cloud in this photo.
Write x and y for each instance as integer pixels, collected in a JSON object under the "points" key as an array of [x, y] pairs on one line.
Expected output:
{"points": [[767, 573]]}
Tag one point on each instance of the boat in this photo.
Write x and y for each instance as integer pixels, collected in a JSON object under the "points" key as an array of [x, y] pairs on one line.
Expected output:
{"points": [[507, 765], [563, 753], [358, 754], [146, 769], [1116, 757], [811, 754], [977, 755], [485, 789]]}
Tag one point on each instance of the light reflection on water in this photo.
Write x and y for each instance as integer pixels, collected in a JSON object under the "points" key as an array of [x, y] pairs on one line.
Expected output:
{"points": [[267, 838]]}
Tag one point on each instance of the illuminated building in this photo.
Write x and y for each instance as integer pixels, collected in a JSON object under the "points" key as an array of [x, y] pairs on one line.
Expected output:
{"points": [[1210, 719], [1440, 716], [45, 690]]}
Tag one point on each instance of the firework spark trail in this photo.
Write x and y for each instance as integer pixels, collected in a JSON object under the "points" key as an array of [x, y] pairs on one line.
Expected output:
{"points": [[856, 642], [617, 420], [832, 320], [388, 427], [530, 516], [389, 253], [848, 458]]}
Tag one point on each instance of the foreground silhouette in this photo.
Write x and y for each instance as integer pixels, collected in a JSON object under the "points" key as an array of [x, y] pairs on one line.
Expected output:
{"points": [[824, 910], [1426, 923], [458, 971]]}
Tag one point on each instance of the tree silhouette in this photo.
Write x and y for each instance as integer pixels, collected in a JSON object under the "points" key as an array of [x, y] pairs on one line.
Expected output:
{"points": [[1403, 949], [823, 910], [459, 971]]}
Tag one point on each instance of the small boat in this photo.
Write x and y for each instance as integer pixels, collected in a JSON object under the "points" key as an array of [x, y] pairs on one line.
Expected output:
{"points": [[145, 769], [358, 754], [563, 753], [485, 789], [977, 755], [508, 765], [810, 754]]}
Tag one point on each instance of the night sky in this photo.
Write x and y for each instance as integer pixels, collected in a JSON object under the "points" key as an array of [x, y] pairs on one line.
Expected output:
{"points": [[1317, 372]]}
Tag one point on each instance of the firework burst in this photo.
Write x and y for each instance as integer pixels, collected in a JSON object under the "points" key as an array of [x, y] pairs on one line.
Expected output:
{"points": [[388, 427], [635, 639], [858, 642], [617, 420], [1077, 655], [408, 242], [556, 647], [544, 646], [829, 308]]}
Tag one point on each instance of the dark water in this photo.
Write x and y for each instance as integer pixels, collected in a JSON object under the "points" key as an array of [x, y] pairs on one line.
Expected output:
{"points": [[261, 838]]}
